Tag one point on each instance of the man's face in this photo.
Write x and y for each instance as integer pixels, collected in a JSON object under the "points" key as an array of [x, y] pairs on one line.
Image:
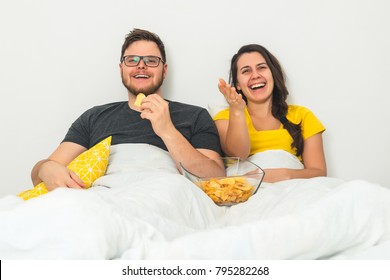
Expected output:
{"points": [[142, 78]]}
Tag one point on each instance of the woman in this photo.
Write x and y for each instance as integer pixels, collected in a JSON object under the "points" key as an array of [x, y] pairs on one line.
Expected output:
{"points": [[259, 119]]}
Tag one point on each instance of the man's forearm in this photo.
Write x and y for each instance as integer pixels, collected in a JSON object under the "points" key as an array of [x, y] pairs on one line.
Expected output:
{"points": [[183, 152], [35, 171]]}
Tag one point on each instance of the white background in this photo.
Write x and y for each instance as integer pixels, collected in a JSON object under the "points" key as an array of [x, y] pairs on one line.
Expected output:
{"points": [[59, 58]]}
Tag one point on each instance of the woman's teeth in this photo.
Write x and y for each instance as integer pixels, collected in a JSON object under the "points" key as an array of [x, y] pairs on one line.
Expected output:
{"points": [[257, 86]]}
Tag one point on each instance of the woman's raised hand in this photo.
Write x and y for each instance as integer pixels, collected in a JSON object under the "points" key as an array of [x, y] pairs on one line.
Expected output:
{"points": [[234, 99]]}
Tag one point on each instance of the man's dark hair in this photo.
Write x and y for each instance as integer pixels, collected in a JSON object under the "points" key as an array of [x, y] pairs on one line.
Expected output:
{"points": [[143, 35]]}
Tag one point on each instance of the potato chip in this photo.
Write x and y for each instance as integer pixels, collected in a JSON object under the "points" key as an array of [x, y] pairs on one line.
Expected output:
{"points": [[227, 181], [138, 99], [228, 190]]}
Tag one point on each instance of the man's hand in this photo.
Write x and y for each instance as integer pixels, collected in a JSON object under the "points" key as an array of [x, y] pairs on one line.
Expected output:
{"points": [[156, 110], [56, 175]]}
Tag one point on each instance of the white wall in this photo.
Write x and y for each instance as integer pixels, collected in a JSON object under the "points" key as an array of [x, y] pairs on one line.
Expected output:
{"points": [[58, 58]]}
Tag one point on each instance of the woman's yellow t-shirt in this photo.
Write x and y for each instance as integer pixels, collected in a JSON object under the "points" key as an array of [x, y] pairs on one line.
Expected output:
{"points": [[279, 139]]}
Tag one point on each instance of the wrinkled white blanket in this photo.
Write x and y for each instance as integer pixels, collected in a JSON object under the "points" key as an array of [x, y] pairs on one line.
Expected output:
{"points": [[144, 209]]}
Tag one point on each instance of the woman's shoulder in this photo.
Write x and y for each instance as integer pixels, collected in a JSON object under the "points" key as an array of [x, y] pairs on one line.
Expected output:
{"points": [[310, 123], [297, 109], [297, 112]]}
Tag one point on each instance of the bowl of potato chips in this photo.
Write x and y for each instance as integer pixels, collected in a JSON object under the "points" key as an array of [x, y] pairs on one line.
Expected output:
{"points": [[239, 180]]}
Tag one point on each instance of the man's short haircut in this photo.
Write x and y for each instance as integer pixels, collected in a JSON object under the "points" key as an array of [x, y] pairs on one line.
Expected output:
{"points": [[143, 35]]}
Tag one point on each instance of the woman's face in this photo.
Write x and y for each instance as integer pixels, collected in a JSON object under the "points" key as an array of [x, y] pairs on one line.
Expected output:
{"points": [[254, 77]]}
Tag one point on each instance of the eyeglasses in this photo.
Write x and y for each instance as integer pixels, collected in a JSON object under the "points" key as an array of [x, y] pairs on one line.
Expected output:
{"points": [[134, 60]]}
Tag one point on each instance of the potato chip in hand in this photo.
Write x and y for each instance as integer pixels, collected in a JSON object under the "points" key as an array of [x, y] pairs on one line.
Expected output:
{"points": [[138, 99]]}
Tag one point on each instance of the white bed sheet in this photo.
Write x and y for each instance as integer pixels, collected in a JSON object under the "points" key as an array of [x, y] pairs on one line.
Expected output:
{"points": [[144, 209]]}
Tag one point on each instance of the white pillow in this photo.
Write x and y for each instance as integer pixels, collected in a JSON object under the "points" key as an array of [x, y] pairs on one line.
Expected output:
{"points": [[215, 108], [276, 159]]}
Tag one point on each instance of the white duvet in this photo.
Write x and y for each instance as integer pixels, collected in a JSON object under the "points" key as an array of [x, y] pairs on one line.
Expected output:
{"points": [[144, 209]]}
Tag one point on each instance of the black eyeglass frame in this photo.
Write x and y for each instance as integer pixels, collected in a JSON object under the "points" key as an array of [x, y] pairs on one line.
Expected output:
{"points": [[144, 58]]}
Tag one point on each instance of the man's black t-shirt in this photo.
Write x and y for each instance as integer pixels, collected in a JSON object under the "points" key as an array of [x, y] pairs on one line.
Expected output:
{"points": [[126, 126]]}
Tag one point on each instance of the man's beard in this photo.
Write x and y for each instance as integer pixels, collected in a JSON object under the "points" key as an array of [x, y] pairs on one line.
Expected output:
{"points": [[149, 90]]}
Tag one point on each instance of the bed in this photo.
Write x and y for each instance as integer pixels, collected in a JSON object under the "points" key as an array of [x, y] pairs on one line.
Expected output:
{"points": [[143, 208]]}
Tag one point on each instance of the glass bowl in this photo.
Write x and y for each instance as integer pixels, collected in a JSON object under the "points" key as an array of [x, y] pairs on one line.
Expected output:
{"points": [[240, 180]]}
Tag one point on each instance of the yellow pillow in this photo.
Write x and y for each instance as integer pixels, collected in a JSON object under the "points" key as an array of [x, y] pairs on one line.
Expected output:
{"points": [[89, 166]]}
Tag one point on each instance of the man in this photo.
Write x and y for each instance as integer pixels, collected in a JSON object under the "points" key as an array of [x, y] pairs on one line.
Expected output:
{"points": [[187, 132]]}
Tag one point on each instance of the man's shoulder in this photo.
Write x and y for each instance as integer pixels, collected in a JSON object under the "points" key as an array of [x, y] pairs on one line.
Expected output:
{"points": [[105, 107], [179, 106], [109, 105]]}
